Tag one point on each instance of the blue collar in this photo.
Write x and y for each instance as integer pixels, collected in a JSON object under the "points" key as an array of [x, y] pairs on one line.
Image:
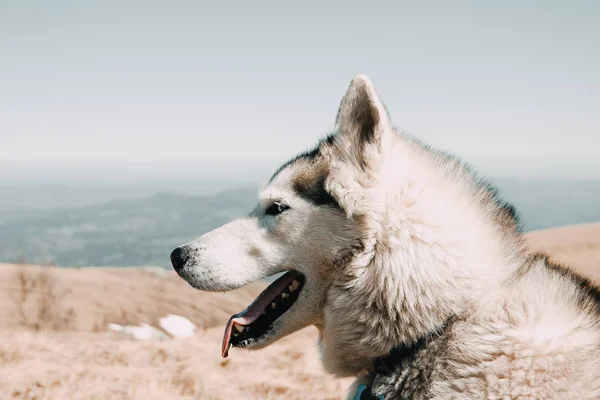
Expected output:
{"points": [[364, 393]]}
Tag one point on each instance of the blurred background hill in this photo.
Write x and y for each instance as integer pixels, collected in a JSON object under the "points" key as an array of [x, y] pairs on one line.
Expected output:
{"points": [[137, 224]]}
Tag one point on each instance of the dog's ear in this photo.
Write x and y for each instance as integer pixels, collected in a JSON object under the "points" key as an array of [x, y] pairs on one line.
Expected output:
{"points": [[363, 132], [362, 118]]}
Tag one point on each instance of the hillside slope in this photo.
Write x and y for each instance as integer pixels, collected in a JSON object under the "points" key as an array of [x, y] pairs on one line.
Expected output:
{"points": [[78, 360]]}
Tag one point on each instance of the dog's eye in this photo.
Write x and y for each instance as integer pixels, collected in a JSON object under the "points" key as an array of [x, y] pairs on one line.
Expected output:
{"points": [[276, 208]]}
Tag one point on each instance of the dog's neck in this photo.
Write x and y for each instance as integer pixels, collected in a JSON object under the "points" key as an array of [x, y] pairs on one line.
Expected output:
{"points": [[389, 371], [405, 352]]}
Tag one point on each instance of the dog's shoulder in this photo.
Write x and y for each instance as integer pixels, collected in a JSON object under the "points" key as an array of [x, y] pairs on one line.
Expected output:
{"points": [[540, 337]]}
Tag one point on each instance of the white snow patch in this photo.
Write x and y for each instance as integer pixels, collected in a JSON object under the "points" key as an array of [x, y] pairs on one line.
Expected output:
{"points": [[177, 326]]}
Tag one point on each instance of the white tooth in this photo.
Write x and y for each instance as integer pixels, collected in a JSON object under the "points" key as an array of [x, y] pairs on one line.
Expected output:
{"points": [[239, 328], [284, 295], [295, 284], [273, 305], [291, 288], [235, 334]]}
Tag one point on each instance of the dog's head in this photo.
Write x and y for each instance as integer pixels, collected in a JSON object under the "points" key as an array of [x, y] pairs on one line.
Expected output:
{"points": [[310, 222]]}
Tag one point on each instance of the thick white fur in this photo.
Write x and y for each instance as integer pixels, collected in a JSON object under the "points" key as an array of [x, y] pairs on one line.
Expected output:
{"points": [[422, 241]]}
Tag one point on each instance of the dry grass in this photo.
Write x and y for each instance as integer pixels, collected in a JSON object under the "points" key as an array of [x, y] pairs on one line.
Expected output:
{"points": [[38, 304], [8, 356], [82, 365]]}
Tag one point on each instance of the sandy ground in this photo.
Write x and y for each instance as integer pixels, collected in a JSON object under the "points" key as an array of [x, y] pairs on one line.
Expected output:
{"points": [[53, 342]]}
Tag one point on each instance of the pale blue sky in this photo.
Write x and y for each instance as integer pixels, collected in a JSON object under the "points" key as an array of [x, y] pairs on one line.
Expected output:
{"points": [[192, 80]]}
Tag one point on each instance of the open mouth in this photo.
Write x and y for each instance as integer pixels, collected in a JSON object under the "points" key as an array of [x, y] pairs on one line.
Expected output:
{"points": [[256, 321]]}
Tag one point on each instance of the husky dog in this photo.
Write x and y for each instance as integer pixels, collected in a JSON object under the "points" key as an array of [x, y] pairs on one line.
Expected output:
{"points": [[412, 268]]}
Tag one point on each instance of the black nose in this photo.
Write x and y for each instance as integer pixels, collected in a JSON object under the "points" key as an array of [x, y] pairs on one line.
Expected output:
{"points": [[178, 258]]}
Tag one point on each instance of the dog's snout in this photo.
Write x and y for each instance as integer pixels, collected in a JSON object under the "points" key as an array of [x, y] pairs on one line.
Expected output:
{"points": [[178, 258]]}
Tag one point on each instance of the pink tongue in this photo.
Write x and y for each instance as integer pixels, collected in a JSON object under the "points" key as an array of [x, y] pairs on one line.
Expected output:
{"points": [[254, 310]]}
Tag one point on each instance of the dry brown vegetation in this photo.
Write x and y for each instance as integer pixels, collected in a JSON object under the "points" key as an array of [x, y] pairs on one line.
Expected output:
{"points": [[38, 304], [54, 343]]}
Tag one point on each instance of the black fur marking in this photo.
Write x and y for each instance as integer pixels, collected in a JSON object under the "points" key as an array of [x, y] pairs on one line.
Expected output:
{"points": [[386, 364], [315, 192], [589, 294], [307, 155], [311, 185], [329, 139]]}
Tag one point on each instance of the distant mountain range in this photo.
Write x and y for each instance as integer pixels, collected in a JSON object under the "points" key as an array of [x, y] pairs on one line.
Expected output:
{"points": [[143, 231], [118, 233]]}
